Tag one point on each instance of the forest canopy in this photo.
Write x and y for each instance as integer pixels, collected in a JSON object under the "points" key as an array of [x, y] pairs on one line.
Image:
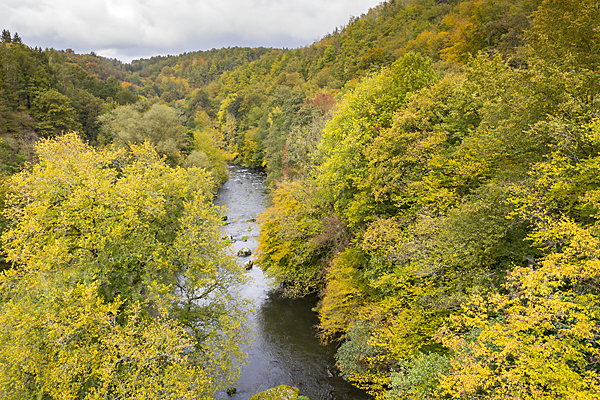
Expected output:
{"points": [[120, 286], [433, 173]]}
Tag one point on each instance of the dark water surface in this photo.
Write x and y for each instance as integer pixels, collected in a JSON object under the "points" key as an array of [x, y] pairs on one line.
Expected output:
{"points": [[286, 350]]}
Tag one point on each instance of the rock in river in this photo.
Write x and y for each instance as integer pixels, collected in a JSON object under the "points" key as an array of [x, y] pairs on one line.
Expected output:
{"points": [[282, 392], [244, 252]]}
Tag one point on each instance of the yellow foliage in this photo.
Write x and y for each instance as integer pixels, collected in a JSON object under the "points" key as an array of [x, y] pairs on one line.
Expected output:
{"points": [[539, 339], [120, 287], [286, 251], [344, 294]]}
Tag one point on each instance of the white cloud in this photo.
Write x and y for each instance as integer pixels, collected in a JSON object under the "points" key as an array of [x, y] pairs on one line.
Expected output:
{"points": [[128, 29]]}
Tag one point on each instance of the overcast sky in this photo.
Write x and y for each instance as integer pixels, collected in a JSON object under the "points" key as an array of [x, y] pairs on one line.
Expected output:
{"points": [[130, 29]]}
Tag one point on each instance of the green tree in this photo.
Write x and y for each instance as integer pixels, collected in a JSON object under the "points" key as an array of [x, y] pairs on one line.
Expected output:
{"points": [[207, 154], [362, 116], [55, 112], [284, 104], [291, 248], [329, 55], [6, 36], [160, 125], [565, 31]]}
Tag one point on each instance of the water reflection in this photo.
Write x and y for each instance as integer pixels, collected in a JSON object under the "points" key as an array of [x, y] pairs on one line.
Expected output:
{"points": [[286, 350]]}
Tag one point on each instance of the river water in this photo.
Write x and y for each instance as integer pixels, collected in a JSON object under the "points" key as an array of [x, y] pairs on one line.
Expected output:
{"points": [[286, 349]]}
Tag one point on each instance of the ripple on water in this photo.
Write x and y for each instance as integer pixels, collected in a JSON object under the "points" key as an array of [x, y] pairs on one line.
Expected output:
{"points": [[286, 350]]}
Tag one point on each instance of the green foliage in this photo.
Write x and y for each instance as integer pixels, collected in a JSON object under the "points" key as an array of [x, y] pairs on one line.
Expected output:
{"points": [[14, 152], [281, 392], [286, 103], [207, 155], [419, 377], [42, 94], [469, 196], [434, 178], [543, 341], [55, 113], [119, 285], [288, 252], [300, 153], [353, 356], [360, 118], [160, 125], [6, 36], [565, 33]]}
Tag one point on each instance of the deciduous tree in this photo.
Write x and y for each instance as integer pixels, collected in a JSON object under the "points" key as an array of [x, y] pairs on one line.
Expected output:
{"points": [[119, 286]]}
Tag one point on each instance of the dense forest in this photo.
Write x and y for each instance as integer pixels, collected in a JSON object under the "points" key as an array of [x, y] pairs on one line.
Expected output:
{"points": [[434, 177]]}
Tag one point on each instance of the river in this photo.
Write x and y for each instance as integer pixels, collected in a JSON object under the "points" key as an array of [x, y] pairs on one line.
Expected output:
{"points": [[286, 349]]}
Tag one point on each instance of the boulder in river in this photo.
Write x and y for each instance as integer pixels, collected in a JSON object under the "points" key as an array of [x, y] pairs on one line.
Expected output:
{"points": [[282, 392], [248, 265], [228, 238], [244, 252]]}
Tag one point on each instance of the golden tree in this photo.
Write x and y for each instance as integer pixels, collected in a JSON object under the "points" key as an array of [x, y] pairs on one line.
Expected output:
{"points": [[119, 287]]}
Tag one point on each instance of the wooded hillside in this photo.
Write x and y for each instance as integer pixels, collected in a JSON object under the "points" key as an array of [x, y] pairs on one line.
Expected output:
{"points": [[434, 177]]}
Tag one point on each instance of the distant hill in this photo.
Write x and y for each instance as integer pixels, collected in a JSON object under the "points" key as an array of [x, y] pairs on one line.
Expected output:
{"points": [[88, 85]]}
